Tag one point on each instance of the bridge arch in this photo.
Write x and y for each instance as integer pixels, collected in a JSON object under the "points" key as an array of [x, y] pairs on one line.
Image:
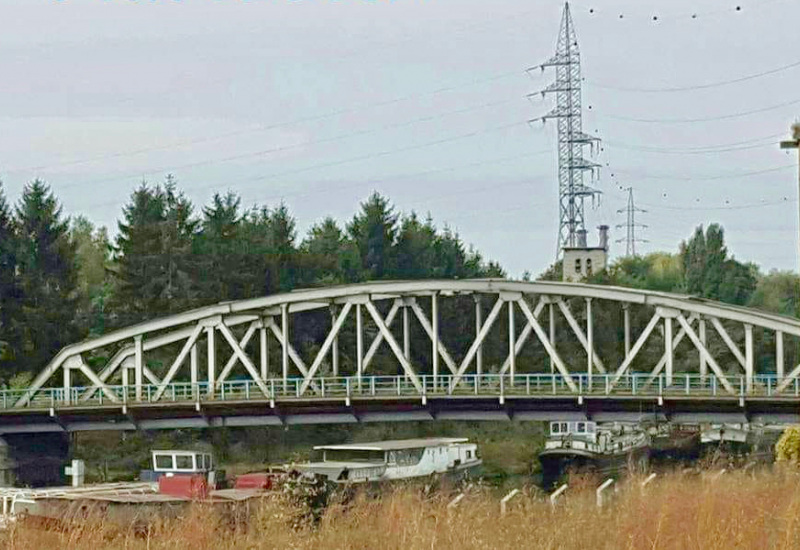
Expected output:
{"points": [[124, 377]]}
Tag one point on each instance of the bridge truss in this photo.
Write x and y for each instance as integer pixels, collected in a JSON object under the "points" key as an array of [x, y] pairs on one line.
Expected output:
{"points": [[223, 353]]}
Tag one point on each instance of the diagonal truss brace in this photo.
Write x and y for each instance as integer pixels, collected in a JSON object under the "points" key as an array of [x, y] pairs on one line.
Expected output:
{"points": [[323, 351], [636, 348], [251, 330], [663, 361], [176, 364], [76, 361], [576, 328], [540, 333], [523, 336], [473, 349], [702, 349], [426, 326], [248, 364], [376, 343], [376, 317], [729, 341]]}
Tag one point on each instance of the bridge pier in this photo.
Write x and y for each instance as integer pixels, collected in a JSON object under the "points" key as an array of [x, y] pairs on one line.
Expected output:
{"points": [[33, 459]]}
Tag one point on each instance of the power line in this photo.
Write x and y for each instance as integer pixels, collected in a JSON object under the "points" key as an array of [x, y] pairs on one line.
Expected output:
{"points": [[729, 116], [644, 175], [678, 151], [274, 126], [706, 86], [284, 148], [379, 154]]}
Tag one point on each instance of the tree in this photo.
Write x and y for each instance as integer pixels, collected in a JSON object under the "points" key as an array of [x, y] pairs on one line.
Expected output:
{"points": [[330, 258], [47, 275], [93, 254], [415, 251], [710, 273], [156, 270], [374, 231], [9, 290], [220, 250]]}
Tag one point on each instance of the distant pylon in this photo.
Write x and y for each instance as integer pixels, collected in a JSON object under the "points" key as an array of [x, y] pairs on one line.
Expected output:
{"points": [[571, 138], [630, 225]]}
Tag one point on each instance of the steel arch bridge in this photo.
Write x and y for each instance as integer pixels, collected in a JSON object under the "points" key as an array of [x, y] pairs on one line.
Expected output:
{"points": [[196, 387]]}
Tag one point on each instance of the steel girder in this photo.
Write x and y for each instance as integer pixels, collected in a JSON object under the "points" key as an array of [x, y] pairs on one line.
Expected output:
{"points": [[128, 347]]}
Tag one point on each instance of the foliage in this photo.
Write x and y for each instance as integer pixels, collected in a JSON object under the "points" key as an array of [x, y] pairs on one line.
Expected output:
{"points": [[787, 449]]}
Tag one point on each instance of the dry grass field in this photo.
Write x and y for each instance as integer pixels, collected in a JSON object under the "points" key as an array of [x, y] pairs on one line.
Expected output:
{"points": [[702, 511]]}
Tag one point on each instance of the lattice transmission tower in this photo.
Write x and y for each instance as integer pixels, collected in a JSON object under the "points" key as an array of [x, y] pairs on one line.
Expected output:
{"points": [[572, 141], [630, 225]]}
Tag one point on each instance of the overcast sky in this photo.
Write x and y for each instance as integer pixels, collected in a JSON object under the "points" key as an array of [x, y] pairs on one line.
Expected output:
{"points": [[320, 102]]}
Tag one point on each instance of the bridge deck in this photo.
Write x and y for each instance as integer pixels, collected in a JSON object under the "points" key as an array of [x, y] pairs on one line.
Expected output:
{"points": [[386, 398]]}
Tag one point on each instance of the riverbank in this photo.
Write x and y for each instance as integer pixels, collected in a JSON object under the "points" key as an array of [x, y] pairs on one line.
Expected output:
{"points": [[705, 510]]}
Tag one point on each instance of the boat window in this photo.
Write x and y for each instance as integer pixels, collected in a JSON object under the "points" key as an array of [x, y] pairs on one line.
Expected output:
{"points": [[353, 455], [588, 266], [590, 427], [209, 462], [164, 462], [581, 428], [184, 462], [469, 454]]}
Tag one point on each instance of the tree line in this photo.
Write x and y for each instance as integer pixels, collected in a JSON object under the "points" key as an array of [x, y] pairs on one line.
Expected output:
{"points": [[63, 279]]}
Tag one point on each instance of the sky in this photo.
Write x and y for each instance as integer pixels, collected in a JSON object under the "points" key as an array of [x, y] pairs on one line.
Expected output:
{"points": [[319, 102]]}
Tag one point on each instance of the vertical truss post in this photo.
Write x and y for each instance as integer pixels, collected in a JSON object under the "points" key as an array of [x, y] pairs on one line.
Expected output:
{"points": [[193, 366], [779, 360], [703, 363], [359, 345], [512, 344], [406, 334], [552, 328], [212, 359], [748, 354], [435, 339], [626, 312], [138, 365], [285, 348], [334, 346], [67, 382], [590, 342], [478, 323], [263, 351], [668, 348], [125, 370]]}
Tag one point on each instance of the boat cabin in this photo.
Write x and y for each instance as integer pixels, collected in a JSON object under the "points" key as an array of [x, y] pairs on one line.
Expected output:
{"points": [[392, 459], [182, 462], [582, 429]]}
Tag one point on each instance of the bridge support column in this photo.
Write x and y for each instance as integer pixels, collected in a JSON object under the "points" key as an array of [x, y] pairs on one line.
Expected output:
{"points": [[779, 360], [748, 358], [138, 366], [33, 459]]}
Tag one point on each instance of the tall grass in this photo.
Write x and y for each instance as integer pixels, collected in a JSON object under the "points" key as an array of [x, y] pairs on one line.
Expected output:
{"points": [[701, 511]]}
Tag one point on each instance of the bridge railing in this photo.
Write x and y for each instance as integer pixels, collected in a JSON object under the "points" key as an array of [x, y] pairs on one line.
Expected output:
{"points": [[401, 386]]}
